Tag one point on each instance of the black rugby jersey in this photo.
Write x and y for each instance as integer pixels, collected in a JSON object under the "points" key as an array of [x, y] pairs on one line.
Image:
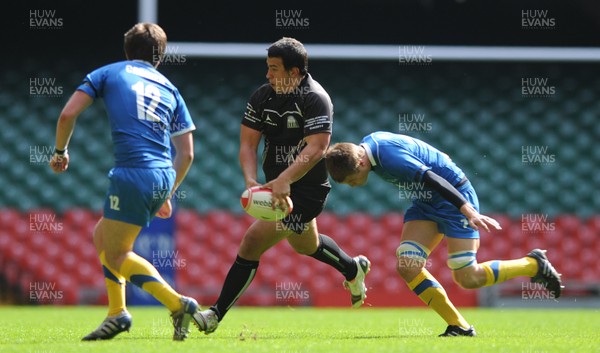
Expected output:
{"points": [[285, 120]]}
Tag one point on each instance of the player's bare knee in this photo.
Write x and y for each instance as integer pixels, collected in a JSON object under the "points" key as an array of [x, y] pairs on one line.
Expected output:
{"points": [[467, 280], [412, 258], [305, 251], [250, 250], [304, 248], [114, 258], [303, 238], [463, 265], [252, 246], [407, 269]]}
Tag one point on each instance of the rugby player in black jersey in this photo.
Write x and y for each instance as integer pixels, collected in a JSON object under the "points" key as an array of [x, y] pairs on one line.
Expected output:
{"points": [[295, 115]]}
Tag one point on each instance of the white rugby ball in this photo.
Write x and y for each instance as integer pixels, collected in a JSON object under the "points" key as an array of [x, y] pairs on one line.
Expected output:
{"points": [[256, 201]]}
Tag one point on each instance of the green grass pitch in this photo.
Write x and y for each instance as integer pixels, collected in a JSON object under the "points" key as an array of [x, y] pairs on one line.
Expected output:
{"points": [[46, 329]]}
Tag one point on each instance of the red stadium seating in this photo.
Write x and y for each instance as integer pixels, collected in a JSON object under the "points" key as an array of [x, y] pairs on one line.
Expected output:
{"points": [[209, 242]]}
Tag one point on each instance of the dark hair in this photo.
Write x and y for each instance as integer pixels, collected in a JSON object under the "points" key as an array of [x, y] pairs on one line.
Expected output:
{"points": [[291, 52], [145, 41]]}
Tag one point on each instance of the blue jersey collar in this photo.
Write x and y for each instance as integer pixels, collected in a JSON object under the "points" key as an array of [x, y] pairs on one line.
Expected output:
{"points": [[369, 153]]}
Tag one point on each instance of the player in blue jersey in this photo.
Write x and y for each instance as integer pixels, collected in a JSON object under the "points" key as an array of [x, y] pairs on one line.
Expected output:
{"points": [[444, 204], [146, 114]]}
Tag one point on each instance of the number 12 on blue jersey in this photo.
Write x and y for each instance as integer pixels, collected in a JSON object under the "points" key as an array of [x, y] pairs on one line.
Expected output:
{"points": [[146, 112]]}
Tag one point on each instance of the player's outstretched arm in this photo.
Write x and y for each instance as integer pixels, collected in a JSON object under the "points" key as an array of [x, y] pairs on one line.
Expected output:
{"points": [[454, 196], [249, 141], [477, 220], [78, 102], [184, 145]]}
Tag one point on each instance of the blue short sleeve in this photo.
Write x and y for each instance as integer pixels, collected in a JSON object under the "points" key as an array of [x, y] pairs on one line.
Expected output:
{"points": [[93, 84], [182, 121]]}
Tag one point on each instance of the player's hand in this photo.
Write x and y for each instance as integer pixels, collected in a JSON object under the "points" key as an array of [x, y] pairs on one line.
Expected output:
{"points": [[485, 222], [280, 189], [59, 163], [251, 183], [166, 210], [477, 220]]}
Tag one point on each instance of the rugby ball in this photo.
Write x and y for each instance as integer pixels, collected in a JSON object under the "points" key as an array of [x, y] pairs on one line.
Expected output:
{"points": [[257, 202]]}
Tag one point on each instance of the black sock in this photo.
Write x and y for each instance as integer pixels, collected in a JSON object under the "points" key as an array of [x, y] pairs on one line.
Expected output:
{"points": [[238, 279], [330, 253]]}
